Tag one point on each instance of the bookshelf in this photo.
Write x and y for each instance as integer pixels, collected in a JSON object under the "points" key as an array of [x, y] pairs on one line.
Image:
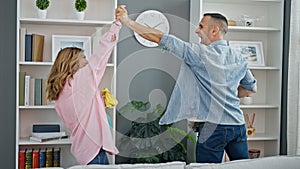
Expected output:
{"points": [[268, 29], [61, 20]]}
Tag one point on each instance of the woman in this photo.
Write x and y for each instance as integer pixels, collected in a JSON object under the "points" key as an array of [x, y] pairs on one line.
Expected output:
{"points": [[73, 85]]}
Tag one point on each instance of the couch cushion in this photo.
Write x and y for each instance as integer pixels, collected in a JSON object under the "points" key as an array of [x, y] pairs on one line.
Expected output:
{"points": [[169, 165], [274, 162], [95, 166]]}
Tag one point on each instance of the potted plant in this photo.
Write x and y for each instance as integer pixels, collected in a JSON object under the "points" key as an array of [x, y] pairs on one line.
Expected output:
{"points": [[42, 6], [147, 141], [80, 6]]}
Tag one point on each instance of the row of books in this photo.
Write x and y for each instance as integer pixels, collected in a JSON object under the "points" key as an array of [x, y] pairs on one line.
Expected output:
{"points": [[31, 46], [32, 91], [39, 157]]}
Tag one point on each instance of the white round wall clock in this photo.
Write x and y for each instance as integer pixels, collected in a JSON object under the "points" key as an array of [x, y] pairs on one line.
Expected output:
{"points": [[153, 19]]}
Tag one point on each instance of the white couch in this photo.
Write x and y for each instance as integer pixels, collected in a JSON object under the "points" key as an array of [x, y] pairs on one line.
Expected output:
{"points": [[274, 162], [169, 165]]}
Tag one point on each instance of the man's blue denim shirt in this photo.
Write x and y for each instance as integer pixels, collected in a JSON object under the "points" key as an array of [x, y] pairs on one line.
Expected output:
{"points": [[206, 87]]}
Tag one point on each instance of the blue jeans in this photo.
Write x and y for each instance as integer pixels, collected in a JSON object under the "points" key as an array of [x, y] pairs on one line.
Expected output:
{"points": [[213, 139], [101, 158]]}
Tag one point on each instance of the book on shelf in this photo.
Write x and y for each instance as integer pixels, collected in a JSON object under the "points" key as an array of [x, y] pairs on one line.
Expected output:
{"points": [[45, 128], [21, 159], [31, 91], [49, 158], [22, 44], [37, 47], [39, 157], [44, 92], [42, 157], [56, 157], [28, 47], [34, 47], [21, 88], [26, 93], [48, 134], [46, 138], [35, 158], [28, 158], [38, 92]]}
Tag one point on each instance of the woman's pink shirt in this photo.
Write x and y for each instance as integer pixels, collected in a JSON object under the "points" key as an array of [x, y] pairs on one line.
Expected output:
{"points": [[81, 108]]}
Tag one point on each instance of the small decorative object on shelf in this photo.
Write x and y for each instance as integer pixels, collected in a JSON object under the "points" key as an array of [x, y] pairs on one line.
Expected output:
{"points": [[249, 21], [251, 50], [231, 23], [250, 131], [61, 41], [80, 6], [249, 124], [246, 100], [42, 6], [254, 153]]}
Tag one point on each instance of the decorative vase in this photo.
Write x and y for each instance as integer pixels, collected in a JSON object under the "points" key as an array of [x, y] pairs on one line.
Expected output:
{"points": [[42, 14], [247, 100], [254, 153], [80, 15]]}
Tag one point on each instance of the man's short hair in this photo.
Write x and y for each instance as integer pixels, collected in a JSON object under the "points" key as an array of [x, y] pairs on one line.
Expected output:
{"points": [[220, 17], [217, 16]]}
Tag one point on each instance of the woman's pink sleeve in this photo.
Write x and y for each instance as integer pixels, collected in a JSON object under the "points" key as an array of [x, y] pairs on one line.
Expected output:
{"points": [[100, 56]]}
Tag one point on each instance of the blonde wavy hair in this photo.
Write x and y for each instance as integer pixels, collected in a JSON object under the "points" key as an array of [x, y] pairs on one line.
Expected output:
{"points": [[64, 67]]}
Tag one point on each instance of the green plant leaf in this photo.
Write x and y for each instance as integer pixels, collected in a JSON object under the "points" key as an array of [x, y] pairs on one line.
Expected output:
{"points": [[146, 148], [172, 131], [42, 4], [80, 5]]}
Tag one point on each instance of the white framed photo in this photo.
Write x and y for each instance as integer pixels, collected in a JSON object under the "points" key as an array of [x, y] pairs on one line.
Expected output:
{"points": [[62, 41], [251, 50]]}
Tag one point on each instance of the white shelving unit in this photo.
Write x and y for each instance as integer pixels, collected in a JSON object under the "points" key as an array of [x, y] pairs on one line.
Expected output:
{"points": [[61, 20], [269, 30]]}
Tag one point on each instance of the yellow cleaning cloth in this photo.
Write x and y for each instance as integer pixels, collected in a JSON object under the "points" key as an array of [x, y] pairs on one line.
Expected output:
{"points": [[109, 99]]}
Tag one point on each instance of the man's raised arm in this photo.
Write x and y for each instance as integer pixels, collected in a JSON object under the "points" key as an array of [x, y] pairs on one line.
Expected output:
{"points": [[150, 34]]}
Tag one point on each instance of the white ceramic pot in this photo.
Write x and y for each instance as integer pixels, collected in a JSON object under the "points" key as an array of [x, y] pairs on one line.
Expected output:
{"points": [[247, 100], [42, 14], [80, 15]]}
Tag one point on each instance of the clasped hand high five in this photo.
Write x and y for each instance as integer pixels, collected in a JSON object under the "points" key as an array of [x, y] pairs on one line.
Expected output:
{"points": [[148, 33], [122, 14]]}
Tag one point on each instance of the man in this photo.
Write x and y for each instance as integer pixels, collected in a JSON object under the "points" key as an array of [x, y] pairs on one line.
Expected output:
{"points": [[214, 78]]}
